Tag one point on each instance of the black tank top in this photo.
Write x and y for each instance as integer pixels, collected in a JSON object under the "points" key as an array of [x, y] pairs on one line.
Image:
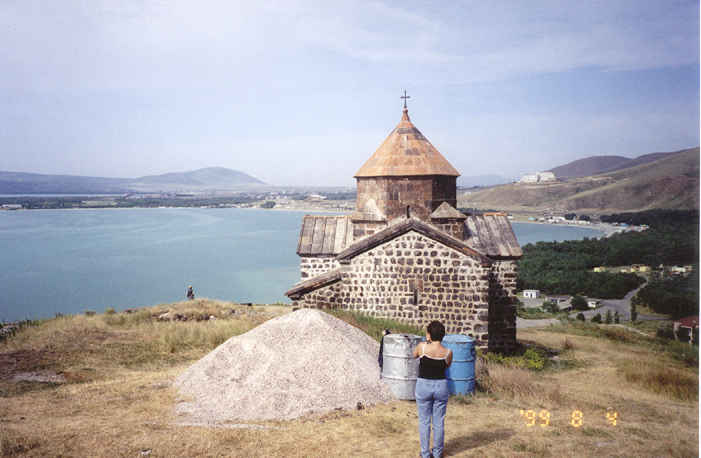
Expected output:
{"points": [[431, 368]]}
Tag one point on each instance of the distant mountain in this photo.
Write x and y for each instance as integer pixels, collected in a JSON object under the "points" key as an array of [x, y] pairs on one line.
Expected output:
{"points": [[212, 178], [482, 180], [596, 165], [669, 180], [35, 183]]}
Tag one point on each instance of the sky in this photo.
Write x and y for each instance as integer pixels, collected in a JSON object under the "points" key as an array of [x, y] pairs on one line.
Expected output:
{"points": [[303, 92]]}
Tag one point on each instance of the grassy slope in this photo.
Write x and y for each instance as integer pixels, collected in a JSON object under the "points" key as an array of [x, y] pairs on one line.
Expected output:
{"points": [[118, 400], [671, 182]]}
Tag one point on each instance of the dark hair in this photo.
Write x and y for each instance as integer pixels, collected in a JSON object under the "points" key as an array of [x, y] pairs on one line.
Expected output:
{"points": [[436, 330]]}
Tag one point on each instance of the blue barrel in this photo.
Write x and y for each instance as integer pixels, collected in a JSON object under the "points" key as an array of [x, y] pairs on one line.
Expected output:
{"points": [[461, 373]]}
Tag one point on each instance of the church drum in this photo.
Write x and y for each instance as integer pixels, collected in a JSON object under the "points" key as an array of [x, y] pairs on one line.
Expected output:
{"points": [[399, 367], [461, 373]]}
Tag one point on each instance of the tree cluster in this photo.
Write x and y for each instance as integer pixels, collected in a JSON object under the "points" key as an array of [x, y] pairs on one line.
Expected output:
{"points": [[565, 267], [677, 297], [654, 218]]}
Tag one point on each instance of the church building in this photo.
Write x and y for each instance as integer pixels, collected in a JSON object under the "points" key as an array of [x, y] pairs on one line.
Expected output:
{"points": [[408, 254]]}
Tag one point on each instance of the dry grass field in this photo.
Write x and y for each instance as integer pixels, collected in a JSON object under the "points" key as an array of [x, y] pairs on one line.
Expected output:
{"points": [[111, 395]]}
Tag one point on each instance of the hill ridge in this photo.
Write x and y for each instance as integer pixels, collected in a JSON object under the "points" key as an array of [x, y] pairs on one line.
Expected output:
{"points": [[595, 165], [204, 178], [670, 181]]}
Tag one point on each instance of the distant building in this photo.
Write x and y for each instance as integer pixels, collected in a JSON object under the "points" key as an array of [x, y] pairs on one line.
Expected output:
{"points": [[593, 303], [600, 269], [687, 329], [538, 177], [532, 178], [559, 299], [531, 293], [639, 268], [98, 203], [681, 270], [11, 207]]}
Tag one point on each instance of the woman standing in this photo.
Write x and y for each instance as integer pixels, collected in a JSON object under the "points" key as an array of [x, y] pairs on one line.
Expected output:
{"points": [[432, 388]]}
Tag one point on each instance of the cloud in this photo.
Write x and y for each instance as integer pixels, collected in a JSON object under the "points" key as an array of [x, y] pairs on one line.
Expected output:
{"points": [[281, 89], [106, 44]]}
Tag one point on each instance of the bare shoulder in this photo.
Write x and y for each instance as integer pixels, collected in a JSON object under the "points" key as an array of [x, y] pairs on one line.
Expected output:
{"points": [[417, 350]]}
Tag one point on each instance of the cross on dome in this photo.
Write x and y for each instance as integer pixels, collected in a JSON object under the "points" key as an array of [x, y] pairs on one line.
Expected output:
{"points": [[405, 97]]}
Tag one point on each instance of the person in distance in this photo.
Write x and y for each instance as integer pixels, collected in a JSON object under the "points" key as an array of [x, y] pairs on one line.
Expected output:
{"points": [[432, 391]]}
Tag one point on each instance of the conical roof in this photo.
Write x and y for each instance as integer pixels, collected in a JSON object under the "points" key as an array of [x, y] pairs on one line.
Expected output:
{"points": [[406, 152]]}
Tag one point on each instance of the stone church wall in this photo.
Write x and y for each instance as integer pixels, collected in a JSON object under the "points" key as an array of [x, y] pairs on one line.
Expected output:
{"points": [[413, 279], [502, 308], [328, 297], [392, 195], [453, 227], [365, 228], [311, 267]]}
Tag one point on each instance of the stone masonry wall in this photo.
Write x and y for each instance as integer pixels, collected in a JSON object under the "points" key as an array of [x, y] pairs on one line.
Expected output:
{"points": [[365, 228], [311, 267], [323, 298], [392, 195], [413, 279], [502, 308], [454, 227]]}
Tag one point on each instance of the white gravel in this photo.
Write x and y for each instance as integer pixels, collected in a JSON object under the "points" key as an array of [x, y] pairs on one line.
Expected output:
{"points": [[300, 363]]}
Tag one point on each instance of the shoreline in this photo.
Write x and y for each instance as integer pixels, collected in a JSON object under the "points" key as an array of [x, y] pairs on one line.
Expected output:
{"points": [[605, 228]]}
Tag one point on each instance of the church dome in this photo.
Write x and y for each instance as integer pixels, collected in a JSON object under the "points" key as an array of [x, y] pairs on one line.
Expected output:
{"points": [[406, 152]]}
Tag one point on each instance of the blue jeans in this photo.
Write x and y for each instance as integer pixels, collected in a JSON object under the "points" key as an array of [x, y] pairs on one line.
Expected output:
{"points": [[431, 400]]}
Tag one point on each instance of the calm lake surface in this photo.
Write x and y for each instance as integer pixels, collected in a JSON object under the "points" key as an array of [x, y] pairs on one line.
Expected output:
{"points": [[69, 261]]}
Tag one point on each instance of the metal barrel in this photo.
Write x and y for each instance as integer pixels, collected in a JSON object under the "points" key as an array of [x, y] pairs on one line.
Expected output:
{"points": [[399, 367], [461, 373]]}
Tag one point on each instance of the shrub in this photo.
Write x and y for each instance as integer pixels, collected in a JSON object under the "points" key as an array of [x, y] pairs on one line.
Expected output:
{"points": [[580, 316], [616, 317], [110, 311], [596, 318], [609, 317], [665, 332], [532, 313], [579, 303], [531, 359], [633, 312], [89, 312], [550, 307]]}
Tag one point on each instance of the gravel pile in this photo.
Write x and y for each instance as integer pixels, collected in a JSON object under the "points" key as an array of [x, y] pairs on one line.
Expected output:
{"points": [[302, 362]]}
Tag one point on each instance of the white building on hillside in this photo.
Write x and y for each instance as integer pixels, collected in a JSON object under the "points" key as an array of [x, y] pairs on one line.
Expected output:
{"points": [[538, 177], [531, 293]]}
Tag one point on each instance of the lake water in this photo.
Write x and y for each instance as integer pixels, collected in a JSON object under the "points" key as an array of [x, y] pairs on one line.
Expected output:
{"points": [[69, 261]]}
